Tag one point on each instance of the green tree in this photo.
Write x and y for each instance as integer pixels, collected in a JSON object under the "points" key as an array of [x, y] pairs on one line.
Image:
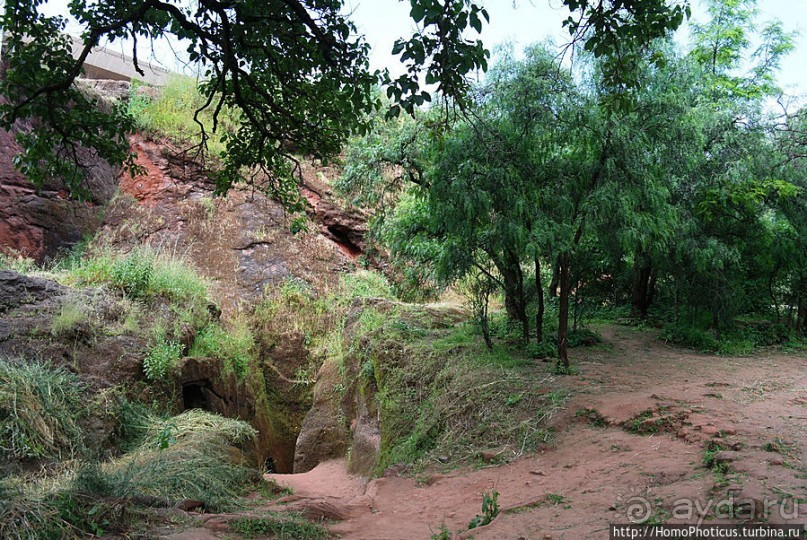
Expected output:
{"points": [[294, 71]]}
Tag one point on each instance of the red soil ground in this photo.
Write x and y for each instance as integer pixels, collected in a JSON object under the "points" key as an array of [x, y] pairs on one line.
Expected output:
{"points": [[598, 473]]}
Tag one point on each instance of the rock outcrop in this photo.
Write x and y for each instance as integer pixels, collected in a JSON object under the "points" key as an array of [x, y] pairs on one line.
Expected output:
{"points": [[345, 418], [34, 326], [38, 223]]}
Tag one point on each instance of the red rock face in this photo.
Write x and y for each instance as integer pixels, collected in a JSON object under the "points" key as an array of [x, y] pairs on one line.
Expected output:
{"points": [[38, 223]]}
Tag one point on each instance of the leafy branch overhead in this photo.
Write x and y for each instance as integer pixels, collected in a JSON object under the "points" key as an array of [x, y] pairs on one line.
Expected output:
{"points": [[295, 73]]}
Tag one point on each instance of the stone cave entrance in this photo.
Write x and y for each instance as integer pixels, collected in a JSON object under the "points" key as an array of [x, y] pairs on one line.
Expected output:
{"points": [[196, 395]]}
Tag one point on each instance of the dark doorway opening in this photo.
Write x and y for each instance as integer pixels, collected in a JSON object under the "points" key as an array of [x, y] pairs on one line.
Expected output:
{"points": [[195, 395]]}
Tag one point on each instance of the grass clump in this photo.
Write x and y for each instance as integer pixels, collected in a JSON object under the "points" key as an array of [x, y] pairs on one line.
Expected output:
{"points": [[142, 273], [234, 347], [40, 409], [171, 114], [71, 317], [161, 358], [17, 262], [189, 456], [284, 526], [184, 457]]}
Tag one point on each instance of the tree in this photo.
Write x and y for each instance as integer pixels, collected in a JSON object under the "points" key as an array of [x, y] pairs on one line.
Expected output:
{"points": [[294, 71]]}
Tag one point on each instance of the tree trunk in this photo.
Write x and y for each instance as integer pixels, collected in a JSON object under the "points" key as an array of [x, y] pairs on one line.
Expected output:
{"points": [[539, 316], [563, 310], [801, 312], [643, 284], [514, 301], [553, 283]]}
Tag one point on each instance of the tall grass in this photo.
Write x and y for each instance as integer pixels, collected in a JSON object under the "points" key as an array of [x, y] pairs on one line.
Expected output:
{"points": [[234, 346], [40, 409], [189, 456], [171, 114], [184, 457], [144, 272]]}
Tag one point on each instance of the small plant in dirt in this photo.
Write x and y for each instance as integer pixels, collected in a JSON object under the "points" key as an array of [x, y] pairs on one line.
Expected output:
{"points": [[592, 416], [283, 526], [490, 509], [779, 446], [444, 533], [711, 459]]}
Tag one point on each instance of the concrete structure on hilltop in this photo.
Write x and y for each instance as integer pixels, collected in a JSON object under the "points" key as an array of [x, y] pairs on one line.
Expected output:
{"points": [[105, 63]]}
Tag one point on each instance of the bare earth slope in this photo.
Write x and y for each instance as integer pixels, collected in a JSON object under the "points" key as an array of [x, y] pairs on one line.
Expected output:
{"points": [[630, 445]]}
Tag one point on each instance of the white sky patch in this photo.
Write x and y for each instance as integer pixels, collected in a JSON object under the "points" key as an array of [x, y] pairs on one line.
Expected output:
{"points": [[521, 22]]}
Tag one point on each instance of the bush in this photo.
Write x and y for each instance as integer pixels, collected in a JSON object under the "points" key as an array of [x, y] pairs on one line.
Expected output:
{"points": [[690, 336], [40, 409], [161, 358], [234, 347], [545, 349], [583, 337]]}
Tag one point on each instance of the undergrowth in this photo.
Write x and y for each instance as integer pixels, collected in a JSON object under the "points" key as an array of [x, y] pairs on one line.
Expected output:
{"points": [[441, 393], [189, 456], [283, 526], [172, 114], [235, 347], [742, 338], [40, 411]]}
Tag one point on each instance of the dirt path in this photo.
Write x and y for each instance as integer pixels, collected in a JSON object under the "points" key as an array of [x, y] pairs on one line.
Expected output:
{"points": [[599, 472]]}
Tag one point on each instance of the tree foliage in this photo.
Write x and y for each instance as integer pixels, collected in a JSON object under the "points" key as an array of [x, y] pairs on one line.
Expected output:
{"points": [[690, 198], [294, 72]]}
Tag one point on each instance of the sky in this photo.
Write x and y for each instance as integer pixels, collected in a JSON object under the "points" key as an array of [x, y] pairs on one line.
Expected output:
{"points": [[523, 22]]}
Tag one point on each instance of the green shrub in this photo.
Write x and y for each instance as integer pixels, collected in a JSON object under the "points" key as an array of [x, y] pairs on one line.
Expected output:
{"points": [[545, 349], [583, 337], [234, 347], [689, 336], [40, 409], [132, 273], [161, 358]]}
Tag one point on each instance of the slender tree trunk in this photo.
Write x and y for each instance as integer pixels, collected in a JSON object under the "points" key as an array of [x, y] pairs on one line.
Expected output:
{"points": [[514, 300], [553, 283], [643, 282], [801, 312], [539, 316], [563, 310]]}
